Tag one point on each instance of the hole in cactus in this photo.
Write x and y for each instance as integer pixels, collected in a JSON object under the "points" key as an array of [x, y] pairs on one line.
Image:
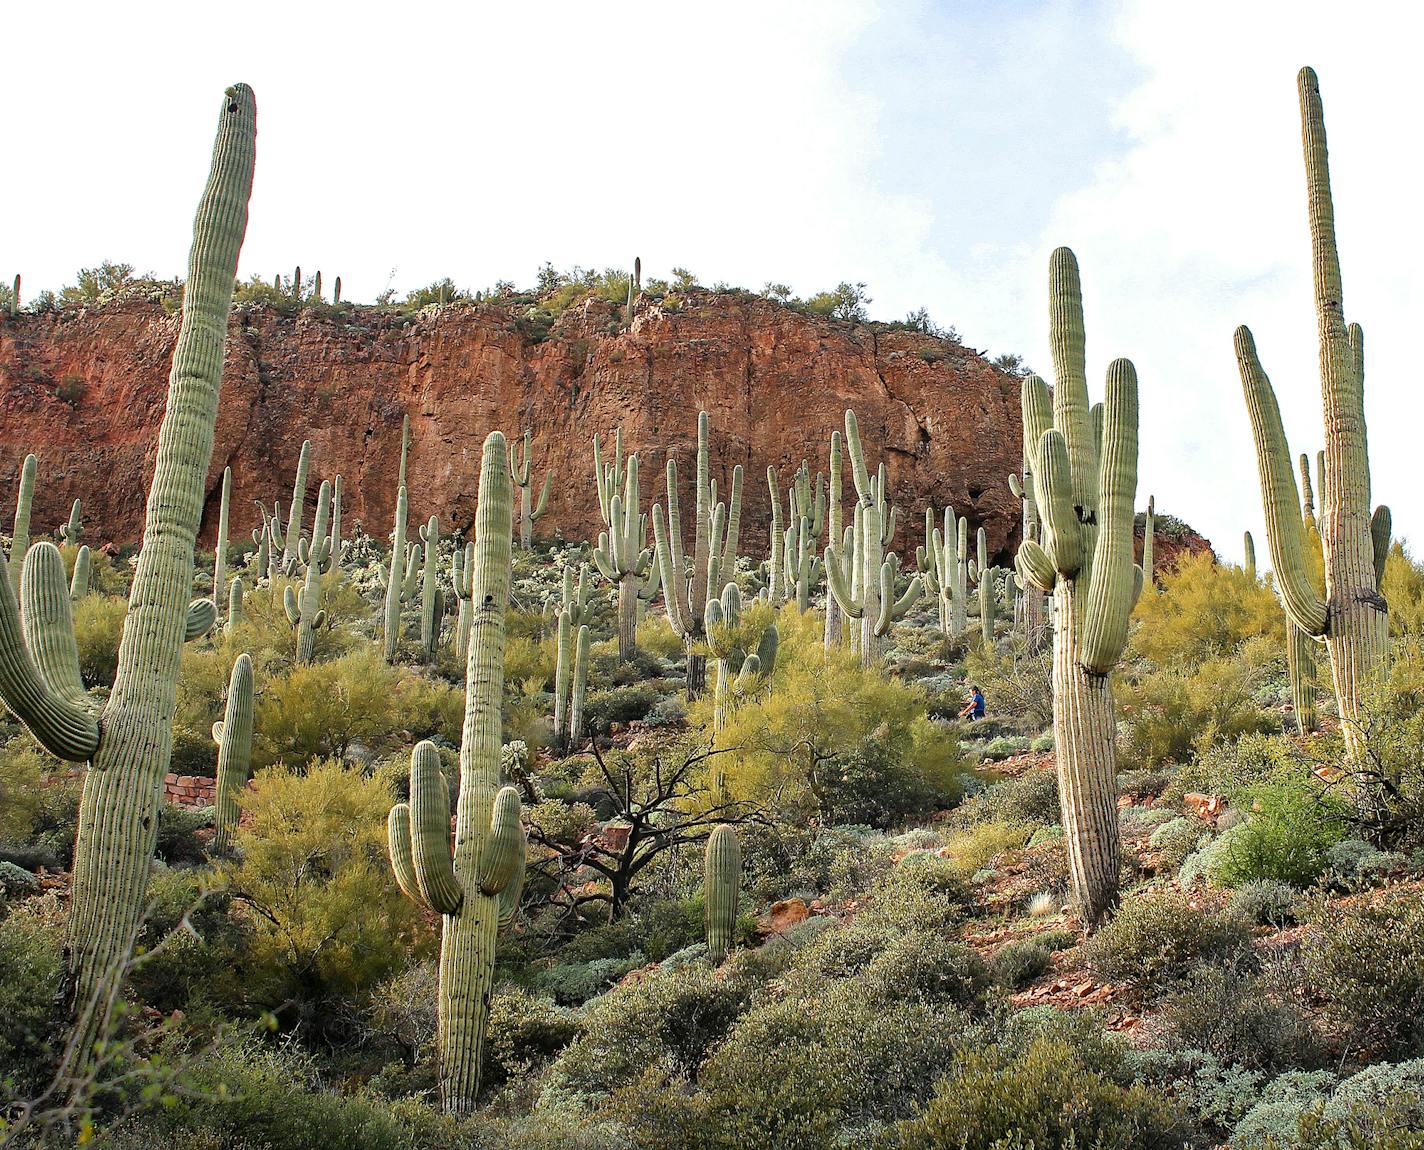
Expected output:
{"points": [[232, 107]]}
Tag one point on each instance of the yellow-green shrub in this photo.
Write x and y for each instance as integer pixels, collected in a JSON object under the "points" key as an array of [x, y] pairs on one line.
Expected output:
{"points": [[1203, 611], [98, 626], [1173, 712]]}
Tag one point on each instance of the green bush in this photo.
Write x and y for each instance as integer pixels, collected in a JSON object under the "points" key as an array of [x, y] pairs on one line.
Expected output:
{"points": [[98, 626], [525, 1032], [1274, 1120], [1368, 962], [1203, 612], [190, 947], [1237, 1015], [1287, 836], [1266, 902], [1353, 863], [888, 964], [622, 704], [1045, 1097], [1177, 839], [1004, 747], [1031, 799], [574, 983], [1020, 962], [1155, 938], [30, 969], [1169, 715]]}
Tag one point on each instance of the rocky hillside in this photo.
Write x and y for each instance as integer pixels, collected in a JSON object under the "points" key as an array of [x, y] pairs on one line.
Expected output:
{"points": [[84, 388]]}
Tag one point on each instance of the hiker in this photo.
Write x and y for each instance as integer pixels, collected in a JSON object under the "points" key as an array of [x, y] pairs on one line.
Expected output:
{"points": [[973, 706]]}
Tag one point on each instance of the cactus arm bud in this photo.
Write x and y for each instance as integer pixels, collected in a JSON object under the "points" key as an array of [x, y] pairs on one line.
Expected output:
{"points": [[1380, 524]]}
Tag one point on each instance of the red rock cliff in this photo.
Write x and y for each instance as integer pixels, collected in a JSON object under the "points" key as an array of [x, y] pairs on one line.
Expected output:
{"points": [[84, 389]]}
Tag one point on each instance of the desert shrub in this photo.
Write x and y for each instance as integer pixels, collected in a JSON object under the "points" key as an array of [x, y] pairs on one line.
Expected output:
{"points": [[1004, 747], [189, 945], [98, 626], [1143, 785], [621, 704], [798, 738], [1352, 863], [574, 983], [328, 921], [1392, 729], [1286, 836], [922, 893], [888, 963], [1171, 713], [30, 969], [402, 1011], [1266, 902], [1177, 839], [1032, 799], [1043, 742], [656, 636], [1019, 963], [24, 785], [1044, 1097], [1204, 611], [1240, 1015], [1368, 961], [1230, 768], [1275, 1118], [525, 1031], [1155, 938], [323, 710], [870, 787], [980, 845], [1014, 683], [1403, 589], [178, 843], [527, 657]]}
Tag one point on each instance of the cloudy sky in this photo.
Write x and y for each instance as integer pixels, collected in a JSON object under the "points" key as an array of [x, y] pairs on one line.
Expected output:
{"points": [[935, 151]]}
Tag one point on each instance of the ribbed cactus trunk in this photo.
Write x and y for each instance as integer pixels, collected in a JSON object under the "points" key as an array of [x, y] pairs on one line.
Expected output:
{"points": [[1300, 663], [832, 634], [395, 578], [233, 735], [721, 890], [628, 616], [20, 537], [123, 789]]}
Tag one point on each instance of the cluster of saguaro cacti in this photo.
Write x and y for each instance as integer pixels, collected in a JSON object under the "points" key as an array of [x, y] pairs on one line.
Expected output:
{"points": [[570, 679], [20, 536], [129, 745], [1351, 615], [859, 574], [1034, 603], [304, 608], [688, 585], [400, 581], [801, 563], [432, 598], [233, 735], [1085, 480], [622, 556], [721, 890], [467, 886], [291, 540], [834, 532], [738, 671], [943, 564], [530, 512]]}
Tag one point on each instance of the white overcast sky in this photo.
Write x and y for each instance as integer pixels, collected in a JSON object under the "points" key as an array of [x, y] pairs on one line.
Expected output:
{"points": [[935, 151]]}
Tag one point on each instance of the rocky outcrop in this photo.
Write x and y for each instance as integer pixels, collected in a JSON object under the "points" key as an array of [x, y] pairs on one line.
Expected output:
{"points": [[84, 389]]}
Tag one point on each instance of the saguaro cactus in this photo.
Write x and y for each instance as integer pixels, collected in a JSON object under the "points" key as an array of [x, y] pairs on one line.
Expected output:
{"points": [[621, 556], [985, 580], [304, 611], [834, 530], [72, 532], [863, 578], [220, 551], [129, 747], [570, 680], [464, 887], [714, 554], [1085, 483], [727, 643], [1250, 547], [296, 511], [942, 570], [399, 580], [462, 574], [79, 584], [432, 598], [234, 606], [721, 890], [233, 735], [1351, 617], [529, 512], [20, 537], [1149, 532]]}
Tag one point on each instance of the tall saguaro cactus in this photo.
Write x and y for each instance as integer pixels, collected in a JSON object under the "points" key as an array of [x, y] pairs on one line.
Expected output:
{"points": [[1085, 484], [985, 581], [721, 890], [529, 512], [304, 609], [233, 735], [621, 555], [295, 512], [1351, 617], [400, 579], [432, 598], [129, 746], [73, 531], [220, 551], [20, 537], [714, 553], [462, 575], [464, 886], [570, 680]]}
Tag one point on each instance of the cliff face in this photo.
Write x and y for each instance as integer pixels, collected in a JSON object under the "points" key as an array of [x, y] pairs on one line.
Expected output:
{"points": [[85, 391]]}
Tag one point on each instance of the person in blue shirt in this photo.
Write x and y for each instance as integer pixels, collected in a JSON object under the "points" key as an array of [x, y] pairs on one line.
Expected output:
{"points": [[974, 705]]}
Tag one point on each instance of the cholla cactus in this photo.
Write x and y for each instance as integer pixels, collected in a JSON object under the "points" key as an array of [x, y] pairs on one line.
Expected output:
{"points": [[570, 680], [79, 583], [462, 574], [130, 744], [304, 611], [290, 556], [862, 578], [432, 598], [1085, 481], [73, 531], [465, 887], [1351, 616], [233, 735], [714, 556], [721, 889], [20, 537], [529, 512], [621, 555]]}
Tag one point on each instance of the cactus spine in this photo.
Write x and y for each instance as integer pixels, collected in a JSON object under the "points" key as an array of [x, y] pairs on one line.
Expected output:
{"points": [[432, 598], [464, 887], [233, 735], [529, 512], [621, 556], [220, 551], [714, 553], [1351, 617], [129, 750], [20, 537], [721, 882], [570, 681], [304, 610], [1084, 484], [862, 577], [290, 557]]}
